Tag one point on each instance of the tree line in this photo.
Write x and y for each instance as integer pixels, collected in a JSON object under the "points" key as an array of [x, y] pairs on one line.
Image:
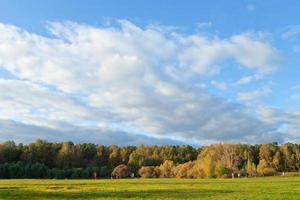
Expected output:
{"points": [[43, 159]]}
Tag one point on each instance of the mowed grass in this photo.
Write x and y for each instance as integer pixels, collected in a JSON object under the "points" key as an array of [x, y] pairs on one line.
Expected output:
{"points": [[244, 188]]}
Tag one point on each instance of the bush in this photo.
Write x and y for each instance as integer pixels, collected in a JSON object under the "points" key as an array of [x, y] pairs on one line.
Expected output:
{"points": [[76, 173], [87, 173], [121, 171], [184, 170], [269, 171], [68, 173], [196, 171], [223, 172], [39, 170], [4, 170], [56, 173], [243, 173], [149, 172], [166, 169], [104, 172], [16, 170]]}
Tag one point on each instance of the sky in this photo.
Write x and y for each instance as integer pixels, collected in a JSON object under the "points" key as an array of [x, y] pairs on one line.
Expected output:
{"points": [[150, 72]]}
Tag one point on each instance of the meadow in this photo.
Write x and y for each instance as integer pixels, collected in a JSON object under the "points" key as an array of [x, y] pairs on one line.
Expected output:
{"points": [[244, 188]]}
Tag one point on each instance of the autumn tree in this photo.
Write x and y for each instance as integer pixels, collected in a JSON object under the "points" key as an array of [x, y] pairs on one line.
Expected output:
{"points": [[166, 169]]}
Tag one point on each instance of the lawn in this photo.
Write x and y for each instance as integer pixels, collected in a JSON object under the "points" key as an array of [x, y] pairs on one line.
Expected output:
{"points": [[246, 188]]}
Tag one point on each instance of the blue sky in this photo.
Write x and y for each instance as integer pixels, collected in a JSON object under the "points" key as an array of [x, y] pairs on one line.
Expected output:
{"points": [[151, 72]]}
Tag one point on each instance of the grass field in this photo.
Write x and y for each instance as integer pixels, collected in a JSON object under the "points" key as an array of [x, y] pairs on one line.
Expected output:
{"points": [[219, 189]]}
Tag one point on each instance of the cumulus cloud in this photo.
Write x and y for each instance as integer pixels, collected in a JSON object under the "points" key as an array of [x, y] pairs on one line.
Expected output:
{"points": [[204, 55], [32, 103], [287, 121], [27, 133], [133, 78]]}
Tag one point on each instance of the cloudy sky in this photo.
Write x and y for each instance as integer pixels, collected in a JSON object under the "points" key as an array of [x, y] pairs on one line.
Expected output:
{"points": [[157, 72]]}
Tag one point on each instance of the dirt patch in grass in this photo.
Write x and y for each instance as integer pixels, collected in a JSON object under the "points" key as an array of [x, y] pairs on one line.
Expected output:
{"points": [[55, 188], [59, 188]]}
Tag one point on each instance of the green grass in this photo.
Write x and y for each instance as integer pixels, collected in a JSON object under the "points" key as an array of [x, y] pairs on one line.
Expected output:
{"points": [[246, 188]]}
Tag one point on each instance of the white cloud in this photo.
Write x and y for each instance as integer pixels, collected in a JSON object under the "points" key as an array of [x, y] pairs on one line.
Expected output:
{"points": [[241, 82], [254, 54], [25, 133], [32, 103], [292, 31], [219, 85], [288, 121], [247, 79], [204, 55], [128, 75], [204, 25], [244, 80], [253, 95]]}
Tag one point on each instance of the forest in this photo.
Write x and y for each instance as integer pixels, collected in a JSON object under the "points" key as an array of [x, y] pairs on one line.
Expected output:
{"points": [[68, 160]]}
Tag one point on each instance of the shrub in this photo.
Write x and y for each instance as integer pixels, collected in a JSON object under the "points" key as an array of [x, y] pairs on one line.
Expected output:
{"points": [[121, 171], [149, 172], [104, 172], [77, 173], [223, 172], [38, 170], [56, 173], [197, 171], [184, 170], [166, 169], [269, 171]]}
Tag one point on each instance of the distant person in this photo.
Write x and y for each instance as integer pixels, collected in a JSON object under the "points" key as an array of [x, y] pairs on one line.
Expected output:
{"points": [[95, 175]]}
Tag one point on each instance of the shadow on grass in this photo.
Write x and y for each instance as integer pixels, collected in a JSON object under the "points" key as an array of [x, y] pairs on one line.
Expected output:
{"points": [[147, 194], [9, 188]]}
